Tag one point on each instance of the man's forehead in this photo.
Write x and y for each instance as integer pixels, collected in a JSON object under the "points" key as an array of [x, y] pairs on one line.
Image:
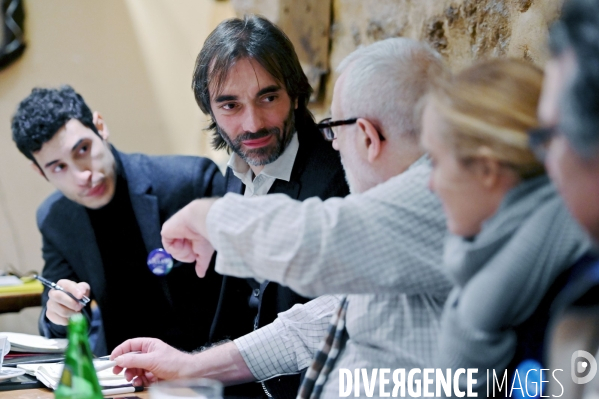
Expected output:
{"points": [[558, 72], [243, 75], [64, 139]]}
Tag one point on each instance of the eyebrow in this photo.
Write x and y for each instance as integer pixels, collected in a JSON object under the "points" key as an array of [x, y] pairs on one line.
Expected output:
{"points": [[268, 89], [77, 144], [50, 163], [224, 98], [227, 97], [73, 149]]}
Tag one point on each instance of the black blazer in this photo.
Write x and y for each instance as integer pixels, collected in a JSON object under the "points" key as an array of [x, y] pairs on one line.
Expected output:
{"points": [[317, 172], [158, 187]]}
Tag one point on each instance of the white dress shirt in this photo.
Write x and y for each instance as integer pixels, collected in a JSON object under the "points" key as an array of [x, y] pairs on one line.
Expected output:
{"points": [[279, 169]]}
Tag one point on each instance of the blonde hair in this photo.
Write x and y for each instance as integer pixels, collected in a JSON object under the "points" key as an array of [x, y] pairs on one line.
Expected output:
{"points": [[487, 110]]}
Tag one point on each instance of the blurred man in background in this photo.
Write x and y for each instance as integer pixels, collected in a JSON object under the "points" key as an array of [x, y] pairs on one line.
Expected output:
{"points": [[569, 143]]}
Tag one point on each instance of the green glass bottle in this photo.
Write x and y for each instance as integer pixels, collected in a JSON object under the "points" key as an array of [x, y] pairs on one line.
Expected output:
{"points": [[79, 379]]}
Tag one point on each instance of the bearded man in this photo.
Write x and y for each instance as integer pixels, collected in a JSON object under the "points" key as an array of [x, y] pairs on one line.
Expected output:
{"points": [[249, 80]]}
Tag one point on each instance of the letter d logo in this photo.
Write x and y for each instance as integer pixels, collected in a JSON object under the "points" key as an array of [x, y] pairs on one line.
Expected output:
{"points": [[580, 363]]}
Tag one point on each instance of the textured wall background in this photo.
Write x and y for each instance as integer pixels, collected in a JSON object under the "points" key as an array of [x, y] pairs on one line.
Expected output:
{"points": [[461, 30], [306, 23]]}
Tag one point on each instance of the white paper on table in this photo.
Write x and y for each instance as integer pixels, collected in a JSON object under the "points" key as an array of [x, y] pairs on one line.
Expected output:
{"points": [[35, 343]]}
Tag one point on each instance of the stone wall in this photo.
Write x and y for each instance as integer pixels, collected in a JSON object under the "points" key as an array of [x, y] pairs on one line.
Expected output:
{"points": [[461, 30], [307, 24]]}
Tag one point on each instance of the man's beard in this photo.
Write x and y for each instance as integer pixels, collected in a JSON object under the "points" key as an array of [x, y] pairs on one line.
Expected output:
{"points": [[267, 154]]}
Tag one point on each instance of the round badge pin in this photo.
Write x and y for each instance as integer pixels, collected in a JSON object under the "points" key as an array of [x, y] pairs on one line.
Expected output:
{"points": [[160, 262]]}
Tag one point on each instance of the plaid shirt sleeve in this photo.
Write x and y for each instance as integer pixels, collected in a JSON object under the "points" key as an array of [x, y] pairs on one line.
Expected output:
{"points": [[386, 240], [288, 344]]}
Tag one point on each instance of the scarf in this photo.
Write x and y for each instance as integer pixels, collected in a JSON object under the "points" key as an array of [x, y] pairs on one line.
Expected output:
{"points": [[502, 274], [325, 358]]}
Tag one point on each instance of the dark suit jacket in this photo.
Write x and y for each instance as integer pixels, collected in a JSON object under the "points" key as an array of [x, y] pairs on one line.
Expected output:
{"points": [[158, 187], [317, 172]]}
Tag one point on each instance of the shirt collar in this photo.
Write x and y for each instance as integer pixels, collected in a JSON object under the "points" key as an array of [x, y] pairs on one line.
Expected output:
{"points": [[279, 169]]}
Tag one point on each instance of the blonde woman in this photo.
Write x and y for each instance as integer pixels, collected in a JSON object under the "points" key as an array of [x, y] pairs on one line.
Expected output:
{"points": [[511, 236]]}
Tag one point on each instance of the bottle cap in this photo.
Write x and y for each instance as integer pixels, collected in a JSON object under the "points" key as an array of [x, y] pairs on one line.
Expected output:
{"points": [[78, 323], [160, 262]]}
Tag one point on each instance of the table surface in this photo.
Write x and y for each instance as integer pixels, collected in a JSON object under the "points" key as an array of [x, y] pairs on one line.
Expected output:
{"points": [[43, 393], [14, 302]]}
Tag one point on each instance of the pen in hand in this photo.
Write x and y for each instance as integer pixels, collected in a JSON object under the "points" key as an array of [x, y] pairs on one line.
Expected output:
{"points": [[83, 301], [107, 363]]}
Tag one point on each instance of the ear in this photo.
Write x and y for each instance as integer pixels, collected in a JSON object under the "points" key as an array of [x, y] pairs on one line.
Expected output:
{"points": [[296, 103], [37, 170], [369, 138], [101, 125], [487, 169]]}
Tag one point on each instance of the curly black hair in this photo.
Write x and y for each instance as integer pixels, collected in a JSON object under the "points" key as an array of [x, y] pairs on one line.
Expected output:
{"points": [[41, 114]]}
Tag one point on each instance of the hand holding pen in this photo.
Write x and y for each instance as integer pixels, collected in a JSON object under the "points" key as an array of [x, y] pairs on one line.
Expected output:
{"points": [[65, 298]]}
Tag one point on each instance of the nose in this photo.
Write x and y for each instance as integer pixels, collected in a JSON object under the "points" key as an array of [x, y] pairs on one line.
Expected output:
{"points": [[83, 176], [253, 120], [335, 144]]}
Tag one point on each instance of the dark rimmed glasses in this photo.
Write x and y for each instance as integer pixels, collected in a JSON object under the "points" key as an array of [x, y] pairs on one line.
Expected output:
{"points": [[326, 127], [539, 140]]}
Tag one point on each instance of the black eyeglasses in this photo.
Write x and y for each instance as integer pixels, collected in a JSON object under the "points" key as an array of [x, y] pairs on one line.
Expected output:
{"points": [[539, 140], [326, 127]]}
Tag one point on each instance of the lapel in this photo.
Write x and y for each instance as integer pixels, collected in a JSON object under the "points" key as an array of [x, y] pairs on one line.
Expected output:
{"points": [[80, 235], [143, 201], [137, 172], [234, 185], [293, 186]]}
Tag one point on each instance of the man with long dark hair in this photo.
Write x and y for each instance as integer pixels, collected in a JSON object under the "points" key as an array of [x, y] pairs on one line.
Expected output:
{"points": [[249, 80]]}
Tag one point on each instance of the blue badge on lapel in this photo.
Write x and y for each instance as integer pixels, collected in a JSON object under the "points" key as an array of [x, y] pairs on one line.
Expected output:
{"points": [[160, 262]]}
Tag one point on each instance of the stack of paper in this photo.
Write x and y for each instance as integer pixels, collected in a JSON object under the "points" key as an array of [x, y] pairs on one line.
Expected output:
{"points": [[49, 374], [10, 280], [35, 343]]}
